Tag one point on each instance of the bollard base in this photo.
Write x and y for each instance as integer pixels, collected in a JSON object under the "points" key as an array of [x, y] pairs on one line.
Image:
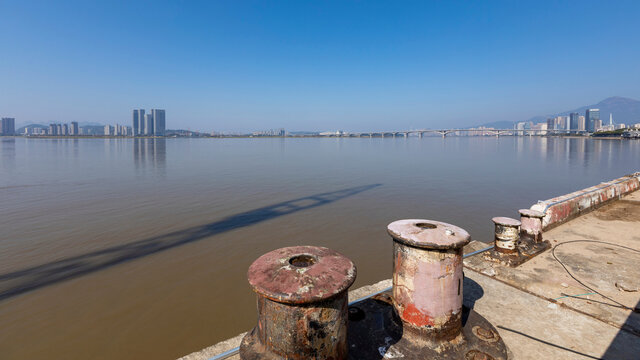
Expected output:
{"points": [[252, 349], [527, 248], [376, 331]]}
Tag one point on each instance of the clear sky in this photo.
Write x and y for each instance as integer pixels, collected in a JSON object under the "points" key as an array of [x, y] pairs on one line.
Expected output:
{"points": [[314, 65]]}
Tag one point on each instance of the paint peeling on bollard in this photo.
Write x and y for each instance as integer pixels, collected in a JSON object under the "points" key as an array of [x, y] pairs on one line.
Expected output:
{"points": [[421, 316], [507, 234], [427, 276], [302, 304], [516, 242], [531, 221]]}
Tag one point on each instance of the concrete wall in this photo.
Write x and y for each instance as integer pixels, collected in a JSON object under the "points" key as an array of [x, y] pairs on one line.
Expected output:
{"points": [[566, 207]]}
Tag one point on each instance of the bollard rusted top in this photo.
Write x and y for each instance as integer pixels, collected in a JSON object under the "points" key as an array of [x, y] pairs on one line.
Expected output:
{"points": [[505, 221], [531, 213], [301, 274], [428, 234]]}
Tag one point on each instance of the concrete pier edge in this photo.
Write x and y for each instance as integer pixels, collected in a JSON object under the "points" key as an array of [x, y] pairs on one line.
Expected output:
{"points": [[543, 311]]}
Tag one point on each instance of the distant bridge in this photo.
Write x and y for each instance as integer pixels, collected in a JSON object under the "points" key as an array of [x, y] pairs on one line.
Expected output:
{"points": [[445, 132]]}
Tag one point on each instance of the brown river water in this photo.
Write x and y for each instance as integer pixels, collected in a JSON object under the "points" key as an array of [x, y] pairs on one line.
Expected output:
{"points": [[138, 248]]}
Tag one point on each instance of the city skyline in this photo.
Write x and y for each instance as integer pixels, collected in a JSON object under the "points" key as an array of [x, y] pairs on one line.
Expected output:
{"points": [[239, 66], [626, 109]]}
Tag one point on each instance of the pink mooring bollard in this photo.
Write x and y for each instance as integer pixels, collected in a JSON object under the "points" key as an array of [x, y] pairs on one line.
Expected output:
{"points": [[531, 221], [427, 276]]}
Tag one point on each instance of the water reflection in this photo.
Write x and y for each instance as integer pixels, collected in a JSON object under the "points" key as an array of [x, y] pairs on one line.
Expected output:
{"points": [[150, 153], [8, 153]]}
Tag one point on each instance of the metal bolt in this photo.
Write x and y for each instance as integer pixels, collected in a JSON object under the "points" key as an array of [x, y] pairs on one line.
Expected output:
{"points": [[302, 304], [531, 223], [477, 355], [485, 334], [507, 234], [427, 276]]}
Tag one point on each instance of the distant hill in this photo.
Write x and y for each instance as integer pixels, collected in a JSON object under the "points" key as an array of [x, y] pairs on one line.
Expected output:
{"points": [[20, 130], [624, 110]]}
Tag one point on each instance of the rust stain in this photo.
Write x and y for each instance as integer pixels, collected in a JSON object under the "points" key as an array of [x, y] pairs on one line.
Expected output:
{"points": [[416, 317]]}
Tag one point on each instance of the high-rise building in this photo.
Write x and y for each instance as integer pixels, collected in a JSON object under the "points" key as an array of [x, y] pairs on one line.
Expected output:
{"points": [[551, 124], [148, 124], [151, 124], [541, 128], [574, 122], [65, 129], [74, 129], [53, 129], [560, 123], [581, 125], [58, 129], [158, 122], [591, 116], [8, 126], [598, 125], [122, 130], [138, 122]]}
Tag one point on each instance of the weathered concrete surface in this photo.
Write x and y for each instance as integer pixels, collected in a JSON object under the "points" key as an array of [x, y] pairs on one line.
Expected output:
{"points": [[534, 328], [566, 207], [216, 349], [598, 265]]}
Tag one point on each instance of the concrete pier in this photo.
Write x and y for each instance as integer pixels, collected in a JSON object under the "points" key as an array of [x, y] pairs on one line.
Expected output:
{"points": [[577, 300]]}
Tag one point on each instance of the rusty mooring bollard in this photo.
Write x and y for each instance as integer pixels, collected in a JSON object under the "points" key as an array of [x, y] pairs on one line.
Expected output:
{"points": [[421, 316], [531, 223], [427, 277], [302, 304], [507, 234]]}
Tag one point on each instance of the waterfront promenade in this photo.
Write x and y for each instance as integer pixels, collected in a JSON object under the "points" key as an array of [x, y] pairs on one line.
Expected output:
{"points": [[549, 307]]}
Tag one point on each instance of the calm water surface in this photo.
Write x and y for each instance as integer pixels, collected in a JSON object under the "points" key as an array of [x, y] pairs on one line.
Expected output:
{"points": [[124, 249]]}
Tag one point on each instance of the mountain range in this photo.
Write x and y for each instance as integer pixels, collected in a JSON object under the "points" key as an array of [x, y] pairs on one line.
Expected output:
{"points": [[624, 110]]}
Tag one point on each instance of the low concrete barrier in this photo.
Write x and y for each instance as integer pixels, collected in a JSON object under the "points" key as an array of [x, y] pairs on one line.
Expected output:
{"points": [[566, 207]]}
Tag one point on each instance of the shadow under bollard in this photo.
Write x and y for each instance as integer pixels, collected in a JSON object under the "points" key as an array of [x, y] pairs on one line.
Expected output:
{"points": [[472, 292], [21, 281]]}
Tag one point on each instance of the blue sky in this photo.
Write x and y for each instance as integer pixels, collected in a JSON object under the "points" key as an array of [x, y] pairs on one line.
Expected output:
{"points": [[314, 65]]}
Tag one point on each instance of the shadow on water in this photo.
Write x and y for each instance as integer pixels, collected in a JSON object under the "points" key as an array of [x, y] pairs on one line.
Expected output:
{"points": [[21, 281]]}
